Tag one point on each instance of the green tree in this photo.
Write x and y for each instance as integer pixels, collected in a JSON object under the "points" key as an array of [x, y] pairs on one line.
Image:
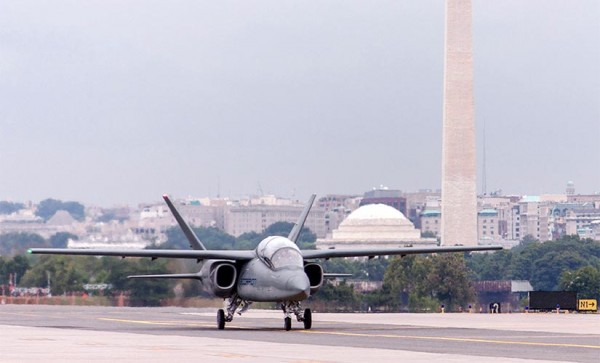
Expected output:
{"points": [[363, 269], [423, 283], [340, 297], [449, 280], [66, 273], [540, 263], [48, 207], [61, 239], [17, 243], [17, 266], [527, 240], [248, 240], [10, 208], [212, 238], [147, 292], [585, 281], [490, 266], [306, 239], [402, 278], [548, 268]]}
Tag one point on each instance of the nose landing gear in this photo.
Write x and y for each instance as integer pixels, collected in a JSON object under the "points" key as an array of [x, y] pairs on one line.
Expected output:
{"points": [[293, 307]]}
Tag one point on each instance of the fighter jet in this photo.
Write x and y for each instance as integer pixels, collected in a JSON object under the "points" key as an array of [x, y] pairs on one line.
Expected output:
{"points": [[276, 271]]}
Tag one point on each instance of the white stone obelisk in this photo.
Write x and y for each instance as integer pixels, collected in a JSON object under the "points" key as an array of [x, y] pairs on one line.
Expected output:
{"points": [[459, 190]]}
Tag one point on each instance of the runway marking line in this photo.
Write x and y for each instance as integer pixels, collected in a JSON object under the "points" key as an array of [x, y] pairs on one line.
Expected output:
{"points": [[147, 322], [391, 336], [175, 323], [469, 340]]}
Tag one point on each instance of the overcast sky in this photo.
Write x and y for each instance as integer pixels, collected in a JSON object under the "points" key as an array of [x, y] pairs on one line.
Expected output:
{"points": [[110, 102]]}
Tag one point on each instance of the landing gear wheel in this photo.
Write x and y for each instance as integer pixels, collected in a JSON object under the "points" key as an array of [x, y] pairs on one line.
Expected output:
{"points": [[221, 319], [287, 323], [307, 319]]}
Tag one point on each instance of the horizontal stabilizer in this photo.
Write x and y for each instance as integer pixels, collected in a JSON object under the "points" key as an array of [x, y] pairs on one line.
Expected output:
{"points": [[195, 276]]}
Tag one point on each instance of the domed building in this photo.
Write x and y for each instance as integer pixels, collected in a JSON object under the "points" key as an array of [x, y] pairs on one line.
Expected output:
{"points": [[375, 226]]}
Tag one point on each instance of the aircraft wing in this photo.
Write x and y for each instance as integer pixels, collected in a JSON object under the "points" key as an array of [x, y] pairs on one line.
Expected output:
{"points": [[238, 255], [371, 252]]}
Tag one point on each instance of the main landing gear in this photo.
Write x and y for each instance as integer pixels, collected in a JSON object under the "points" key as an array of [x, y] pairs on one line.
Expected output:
{"points": [[293, 307], [231, 305], [221, 319]]}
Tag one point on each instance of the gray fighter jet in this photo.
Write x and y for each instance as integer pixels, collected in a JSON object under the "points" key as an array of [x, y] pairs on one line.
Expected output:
{"points": [[276, 271]]}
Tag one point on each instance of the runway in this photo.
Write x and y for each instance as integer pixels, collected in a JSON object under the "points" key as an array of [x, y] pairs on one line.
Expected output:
{"points": [[58, 333]]}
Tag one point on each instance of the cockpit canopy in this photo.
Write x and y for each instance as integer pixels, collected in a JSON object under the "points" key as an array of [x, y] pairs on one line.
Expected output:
{"points": [[278, 252]]}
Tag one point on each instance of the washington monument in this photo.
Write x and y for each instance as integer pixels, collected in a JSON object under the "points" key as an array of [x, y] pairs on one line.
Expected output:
{"points": [[459, 195]]}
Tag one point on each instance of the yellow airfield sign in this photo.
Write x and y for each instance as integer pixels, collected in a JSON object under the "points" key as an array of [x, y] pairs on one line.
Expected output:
{"points": [[587, 305]]}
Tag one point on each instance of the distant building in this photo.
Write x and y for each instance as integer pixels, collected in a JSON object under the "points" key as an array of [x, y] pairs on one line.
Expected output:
{"points": [[256, 218], [431, 221], [488, 226], [591, 199], [505, 292], [336, 208], [582, 222], [417, 202], [375, 226], [383, 195], [534, 218]]}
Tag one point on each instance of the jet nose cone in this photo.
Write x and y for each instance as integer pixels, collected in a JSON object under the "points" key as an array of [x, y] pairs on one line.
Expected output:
{"points": [[298, 286]]}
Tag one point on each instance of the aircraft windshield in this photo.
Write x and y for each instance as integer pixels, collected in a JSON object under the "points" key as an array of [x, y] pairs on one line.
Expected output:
{"points": [[286, 257], [279, 252]]}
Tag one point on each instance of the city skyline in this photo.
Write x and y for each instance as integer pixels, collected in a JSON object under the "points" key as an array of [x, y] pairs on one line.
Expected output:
{"points": [[111, 103]]}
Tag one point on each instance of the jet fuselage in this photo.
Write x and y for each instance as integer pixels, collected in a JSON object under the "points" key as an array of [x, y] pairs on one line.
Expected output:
{"points": [[276, 274]]}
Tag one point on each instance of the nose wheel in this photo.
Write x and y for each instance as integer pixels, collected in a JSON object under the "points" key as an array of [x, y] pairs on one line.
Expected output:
{"points": [[293, 307]]}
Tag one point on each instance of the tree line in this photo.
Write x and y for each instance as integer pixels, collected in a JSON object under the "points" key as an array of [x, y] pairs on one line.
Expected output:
{"points": [[214, 238], [426, 282], [563, 264], [69, 274], [17, 243], [411, 283], [47, 208]]}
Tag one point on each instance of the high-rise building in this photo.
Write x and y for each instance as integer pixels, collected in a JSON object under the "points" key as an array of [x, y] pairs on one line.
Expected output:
{"points": [[459, 194]]}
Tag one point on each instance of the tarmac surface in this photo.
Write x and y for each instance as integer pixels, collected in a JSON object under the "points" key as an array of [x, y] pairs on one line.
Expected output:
{"points": [[47, 333]]}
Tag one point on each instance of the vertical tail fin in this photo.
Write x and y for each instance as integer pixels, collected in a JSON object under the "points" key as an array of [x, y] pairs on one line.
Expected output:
{"points": [[195, 242], [295, 232]]}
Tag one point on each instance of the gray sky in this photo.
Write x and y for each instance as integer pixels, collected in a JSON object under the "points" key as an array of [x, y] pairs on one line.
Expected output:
{"points": [[111, 102]]}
